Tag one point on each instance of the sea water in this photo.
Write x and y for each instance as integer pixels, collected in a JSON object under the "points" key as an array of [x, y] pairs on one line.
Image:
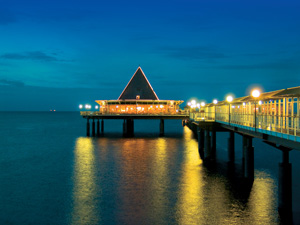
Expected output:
{"points": [[51, 173]]}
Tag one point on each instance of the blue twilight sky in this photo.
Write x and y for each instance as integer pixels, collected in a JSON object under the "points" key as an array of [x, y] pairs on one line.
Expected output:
{"points": [[58, 54]]}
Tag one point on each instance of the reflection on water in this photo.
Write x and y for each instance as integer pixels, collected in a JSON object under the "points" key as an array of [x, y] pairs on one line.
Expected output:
{"points": [[162, 181], [262, 199], [190, 195], [85, 187]]}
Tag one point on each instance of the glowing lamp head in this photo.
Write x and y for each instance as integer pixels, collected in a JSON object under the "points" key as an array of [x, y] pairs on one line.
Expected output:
{"points": [[229, 98], [189, 103], [260, 102], [215, 101], [96, 107], [161, 106], [193, 102], [255, 93], [198, 105], [86, 106], [202, 104], [80, 106]]}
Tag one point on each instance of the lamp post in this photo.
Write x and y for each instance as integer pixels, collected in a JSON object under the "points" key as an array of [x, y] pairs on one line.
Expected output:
{"points": [[229, 99], [255, 94], [189, 104], [215, 101]]}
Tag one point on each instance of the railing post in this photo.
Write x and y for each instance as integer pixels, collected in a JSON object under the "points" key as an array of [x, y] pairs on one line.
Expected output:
{"points": [[281, 124]]}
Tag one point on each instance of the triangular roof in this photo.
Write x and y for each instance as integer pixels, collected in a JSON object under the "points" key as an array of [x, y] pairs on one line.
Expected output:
{"points": [[138, 85]]}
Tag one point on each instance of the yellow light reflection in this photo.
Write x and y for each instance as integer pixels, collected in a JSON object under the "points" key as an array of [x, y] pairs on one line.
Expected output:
{"points": [[191, 203], [160, 179], [262, 199], [85, 190], [134, 173]]}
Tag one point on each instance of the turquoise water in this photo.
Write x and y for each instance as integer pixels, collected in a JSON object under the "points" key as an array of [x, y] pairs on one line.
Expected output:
{"points": [[52, 174]]}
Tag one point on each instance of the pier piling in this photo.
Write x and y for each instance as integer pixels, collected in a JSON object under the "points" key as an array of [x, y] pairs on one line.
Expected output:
{"points": [[161, 127], [248, 158], [214, 143], [200, 142], [285, 186], [87, 127], [102, 126], [207, 148], [93, 128], [98, 128], [231, 153]]}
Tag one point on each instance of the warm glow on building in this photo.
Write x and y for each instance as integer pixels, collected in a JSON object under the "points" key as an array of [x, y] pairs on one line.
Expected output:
{"points": [[138, 97]]}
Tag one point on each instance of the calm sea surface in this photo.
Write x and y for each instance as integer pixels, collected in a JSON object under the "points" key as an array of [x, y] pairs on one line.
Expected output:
{"points": [[50, 173]]}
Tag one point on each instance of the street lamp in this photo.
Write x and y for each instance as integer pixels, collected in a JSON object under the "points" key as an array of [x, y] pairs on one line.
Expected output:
{"points": [[255, 94], [198, 106], [229, 99], [215, 101], [80, 106]]}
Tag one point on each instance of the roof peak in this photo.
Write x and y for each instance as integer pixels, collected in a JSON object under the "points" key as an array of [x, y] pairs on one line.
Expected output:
{"points": [[138, 85]]}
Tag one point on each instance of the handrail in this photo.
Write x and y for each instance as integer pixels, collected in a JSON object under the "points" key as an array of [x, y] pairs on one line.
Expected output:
{"points": [[97, 113]]}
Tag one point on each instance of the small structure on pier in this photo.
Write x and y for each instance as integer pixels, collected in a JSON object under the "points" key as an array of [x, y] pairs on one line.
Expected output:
{"points": [[137, 101], [138, 97]]}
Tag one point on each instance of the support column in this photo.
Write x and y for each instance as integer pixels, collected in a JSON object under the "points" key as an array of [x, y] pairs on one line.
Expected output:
{"points": [[125, 132], [102, 126], [201, 142], [128, 128], [93, 128], [285, 187], [248, 158], [98, 128], [231, 154], [87, 127], [214, 143], [131, 127], [162, 128], [207, 148]]}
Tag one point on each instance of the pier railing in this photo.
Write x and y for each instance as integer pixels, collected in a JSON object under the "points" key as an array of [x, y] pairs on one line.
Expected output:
{"points": [[97, 113], [279, 117]]}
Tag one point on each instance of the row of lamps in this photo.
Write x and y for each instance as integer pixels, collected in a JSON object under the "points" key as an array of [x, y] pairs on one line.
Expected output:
{"points": [[87, 106], [255, 94]]}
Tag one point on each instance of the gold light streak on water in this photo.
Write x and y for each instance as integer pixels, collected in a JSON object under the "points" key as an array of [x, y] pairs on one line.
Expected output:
{"points": [[190, 206], [160, 178], [85, 189], [134, 175], [262, 199]]}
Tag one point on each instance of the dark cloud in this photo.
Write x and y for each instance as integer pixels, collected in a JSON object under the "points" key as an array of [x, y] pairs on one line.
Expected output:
{"points": [[4, 82], [34, 55], [192, 53]]}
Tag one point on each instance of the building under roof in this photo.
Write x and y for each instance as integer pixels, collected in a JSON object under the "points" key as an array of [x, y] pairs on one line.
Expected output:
{"points": [[138, 97]]}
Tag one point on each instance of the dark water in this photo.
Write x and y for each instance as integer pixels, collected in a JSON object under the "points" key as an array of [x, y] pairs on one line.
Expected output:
{"points": [[51, 173]]}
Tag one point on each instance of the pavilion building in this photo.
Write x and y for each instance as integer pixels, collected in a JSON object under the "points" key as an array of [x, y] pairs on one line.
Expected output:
{"points": [[138, 97]]}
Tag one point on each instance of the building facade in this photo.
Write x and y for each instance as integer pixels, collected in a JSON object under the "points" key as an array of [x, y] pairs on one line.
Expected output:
{"points": [[138, 97]]}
